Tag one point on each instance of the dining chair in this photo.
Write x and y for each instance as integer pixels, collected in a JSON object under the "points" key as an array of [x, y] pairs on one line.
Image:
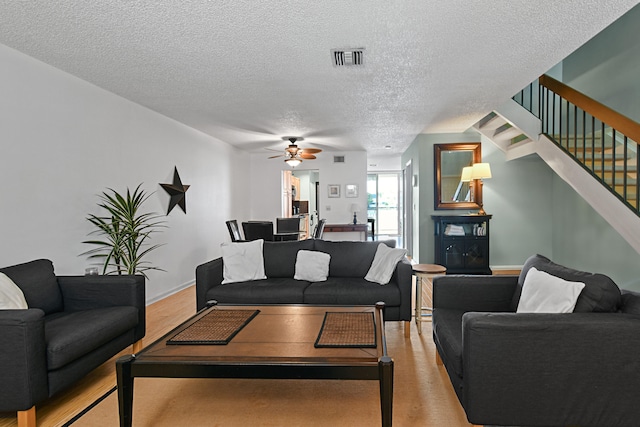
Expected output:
{"points": [[254, 230], [319, 230], [287, 229], [234, 230]]}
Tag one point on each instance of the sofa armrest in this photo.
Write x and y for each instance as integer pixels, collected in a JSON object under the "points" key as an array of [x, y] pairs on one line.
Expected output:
{"points": [[208, 275], [89, 292], [474, 292], [23, 359], [404, 277], [551, 369]]}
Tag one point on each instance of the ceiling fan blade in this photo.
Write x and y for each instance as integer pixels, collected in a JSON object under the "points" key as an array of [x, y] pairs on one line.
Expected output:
{"points": [[274, 157], [307, 156], [311, 150]]}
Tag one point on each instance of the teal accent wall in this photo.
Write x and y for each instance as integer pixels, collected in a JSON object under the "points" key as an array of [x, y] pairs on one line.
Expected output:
{"points": [[607, 67], [534, 210], [582, 239], [517, 196]]}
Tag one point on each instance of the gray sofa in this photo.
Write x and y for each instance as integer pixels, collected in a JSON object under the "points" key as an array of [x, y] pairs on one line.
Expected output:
{"points": [[345, 285], [73, 325], [534, 369]]}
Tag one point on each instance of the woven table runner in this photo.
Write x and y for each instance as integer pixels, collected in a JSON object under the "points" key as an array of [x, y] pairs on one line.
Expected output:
{"points": [[346, 329], [217, 327]]}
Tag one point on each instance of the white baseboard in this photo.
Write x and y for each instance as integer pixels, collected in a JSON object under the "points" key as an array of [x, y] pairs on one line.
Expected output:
{"points": [[170, 292]]}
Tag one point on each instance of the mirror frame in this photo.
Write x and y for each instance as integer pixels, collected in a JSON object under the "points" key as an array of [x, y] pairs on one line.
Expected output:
{"points": [[439, 149]]}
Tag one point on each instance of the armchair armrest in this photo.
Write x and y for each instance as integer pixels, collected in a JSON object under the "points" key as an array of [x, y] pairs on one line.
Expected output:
{"points": [[208, 275], [474, 292], [551, 369], [23, 359], [89, 292]]}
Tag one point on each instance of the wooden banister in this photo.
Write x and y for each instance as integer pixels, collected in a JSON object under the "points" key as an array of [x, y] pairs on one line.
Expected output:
{"points": [[598, 110]]}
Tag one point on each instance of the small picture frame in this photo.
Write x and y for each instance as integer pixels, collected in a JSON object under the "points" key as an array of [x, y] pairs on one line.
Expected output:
{"points": [[334, 190], [351, 190]]}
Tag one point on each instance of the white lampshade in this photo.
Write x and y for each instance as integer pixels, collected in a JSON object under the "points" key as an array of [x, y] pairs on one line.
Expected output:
{"points": [[481, 171], [466, 174], [355, 207], [293, 161]]}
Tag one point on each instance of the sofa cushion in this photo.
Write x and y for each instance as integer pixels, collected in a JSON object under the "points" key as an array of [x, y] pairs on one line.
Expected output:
{"points": [[242, 261], [447, 332], [70, 336], [544, 293], [38, 283], [280, 257], [277, 290], [312, 266], [600, 293], [350, 259], [350, 291]]}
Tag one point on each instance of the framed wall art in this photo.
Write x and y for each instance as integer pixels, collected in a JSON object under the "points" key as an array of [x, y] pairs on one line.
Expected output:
{"points": [[334, 190], [351, 190]]}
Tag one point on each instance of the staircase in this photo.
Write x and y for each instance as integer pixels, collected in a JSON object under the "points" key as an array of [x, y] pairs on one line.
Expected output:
{"points": [[598, 160]]}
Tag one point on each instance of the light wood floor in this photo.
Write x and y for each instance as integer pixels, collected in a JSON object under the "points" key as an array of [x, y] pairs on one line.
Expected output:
{"points": [[162, 316]]}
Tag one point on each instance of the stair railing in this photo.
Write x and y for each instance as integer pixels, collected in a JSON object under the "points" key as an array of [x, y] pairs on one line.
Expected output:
{"points": [[602, 140]]}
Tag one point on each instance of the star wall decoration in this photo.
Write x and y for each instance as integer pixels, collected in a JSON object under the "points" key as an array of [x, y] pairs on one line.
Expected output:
{"points": [[177, 191]]}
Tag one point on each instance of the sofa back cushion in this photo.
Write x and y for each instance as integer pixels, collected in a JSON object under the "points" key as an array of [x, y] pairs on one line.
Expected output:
{"points": [[38, 283], [600, 293], [280, 257], [350, 259], [630, 302]]}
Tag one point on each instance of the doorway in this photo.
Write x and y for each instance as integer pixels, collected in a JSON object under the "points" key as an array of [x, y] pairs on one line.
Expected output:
{"points": [[300, 194], [384, 205]]}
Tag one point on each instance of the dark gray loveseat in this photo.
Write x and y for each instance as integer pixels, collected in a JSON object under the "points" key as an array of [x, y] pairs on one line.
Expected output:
{"points": [[73, 325], [533, 369], [345, 285]]}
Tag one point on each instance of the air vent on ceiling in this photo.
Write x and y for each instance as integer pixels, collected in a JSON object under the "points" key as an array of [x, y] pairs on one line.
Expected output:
{"points": [[338, 159], [347, 57]]}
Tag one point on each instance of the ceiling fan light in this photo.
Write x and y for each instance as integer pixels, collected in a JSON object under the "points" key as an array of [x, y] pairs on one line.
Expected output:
{"points": [[293, 161]]}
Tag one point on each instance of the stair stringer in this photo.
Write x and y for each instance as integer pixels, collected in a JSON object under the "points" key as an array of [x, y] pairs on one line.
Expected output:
{"points": [[616, 213], [522, 122]]}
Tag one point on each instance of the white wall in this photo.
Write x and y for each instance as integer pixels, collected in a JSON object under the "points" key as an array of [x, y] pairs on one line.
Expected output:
{"points": [[265, 178], [384, 163], [64, 141]]}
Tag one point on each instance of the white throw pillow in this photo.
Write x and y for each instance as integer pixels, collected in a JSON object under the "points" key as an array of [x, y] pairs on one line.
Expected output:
{"points": [[545, 293], [11, 296], [242, 261], [312, 266], [384, 263]]}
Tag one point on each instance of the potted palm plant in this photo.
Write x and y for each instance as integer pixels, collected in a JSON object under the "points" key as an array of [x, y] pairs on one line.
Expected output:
{"points": [[124, 232]]}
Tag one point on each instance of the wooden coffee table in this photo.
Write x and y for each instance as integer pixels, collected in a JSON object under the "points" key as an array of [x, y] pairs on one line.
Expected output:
{"points": [[278, 343]]}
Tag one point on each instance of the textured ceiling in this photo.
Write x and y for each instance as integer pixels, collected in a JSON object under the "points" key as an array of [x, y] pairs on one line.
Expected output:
{"points": [[249, 72]]}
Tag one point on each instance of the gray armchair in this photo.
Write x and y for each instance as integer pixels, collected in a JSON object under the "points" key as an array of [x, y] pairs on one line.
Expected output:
{"points": [[539, 369], [73, 325]]}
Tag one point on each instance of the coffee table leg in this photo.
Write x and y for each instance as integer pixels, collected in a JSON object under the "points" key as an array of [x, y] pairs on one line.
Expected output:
{"points": [[125, 389], [385, 370]]}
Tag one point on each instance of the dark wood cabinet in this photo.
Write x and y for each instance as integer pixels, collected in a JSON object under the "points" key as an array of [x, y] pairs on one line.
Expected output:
{"points": [[462, 243]]}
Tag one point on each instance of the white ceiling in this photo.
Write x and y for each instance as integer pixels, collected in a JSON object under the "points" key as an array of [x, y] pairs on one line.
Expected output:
{"points": [[249, 72]]}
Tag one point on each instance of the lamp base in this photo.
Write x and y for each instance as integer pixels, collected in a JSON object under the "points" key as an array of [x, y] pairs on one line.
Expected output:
{"points": [[355, 218]]}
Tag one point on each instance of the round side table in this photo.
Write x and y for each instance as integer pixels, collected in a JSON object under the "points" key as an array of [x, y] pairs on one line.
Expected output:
{"points": [[424, 273]]}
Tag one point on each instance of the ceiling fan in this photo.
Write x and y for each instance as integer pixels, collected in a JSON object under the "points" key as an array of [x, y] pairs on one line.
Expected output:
{"points": [[293, 155]]}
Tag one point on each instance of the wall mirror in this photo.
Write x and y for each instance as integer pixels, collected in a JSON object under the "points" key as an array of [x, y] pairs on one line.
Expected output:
{"points": [[452, 189]]}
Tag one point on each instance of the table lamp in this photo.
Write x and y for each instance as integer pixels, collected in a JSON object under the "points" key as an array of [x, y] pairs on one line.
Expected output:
{"points": [[480, 172], [355, 209]]}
